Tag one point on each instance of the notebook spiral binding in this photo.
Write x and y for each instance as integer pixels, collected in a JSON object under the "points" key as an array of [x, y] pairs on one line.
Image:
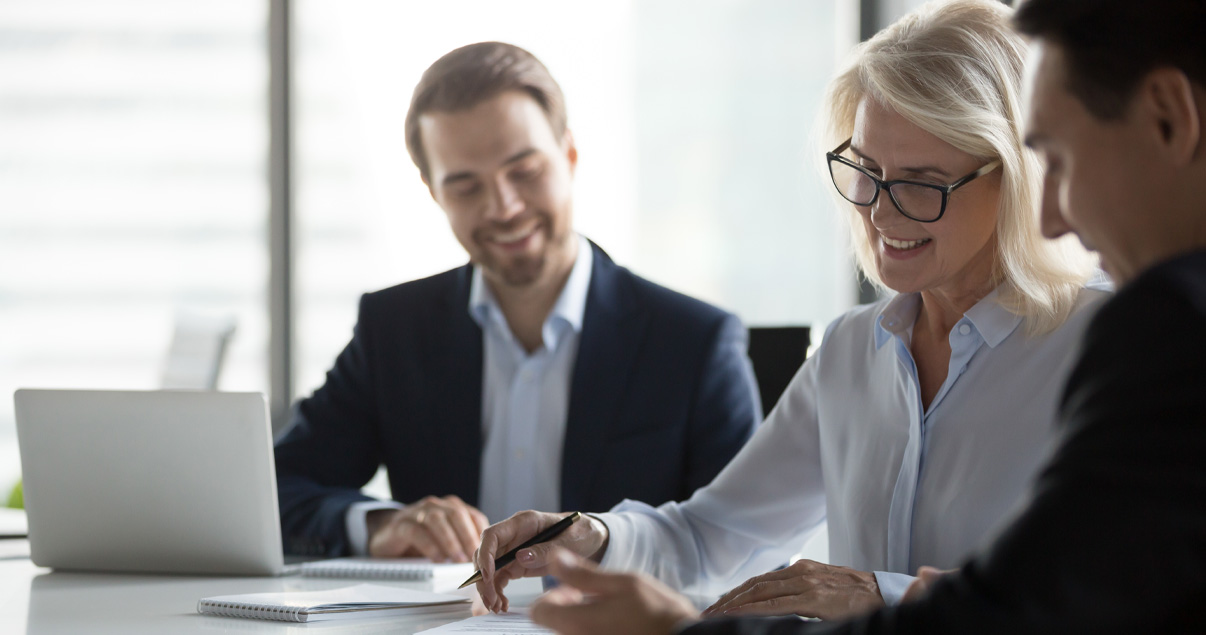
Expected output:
{"points": [[369, 570], [251, 610]]}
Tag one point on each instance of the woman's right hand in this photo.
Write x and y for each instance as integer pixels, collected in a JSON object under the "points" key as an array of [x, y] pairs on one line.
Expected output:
{"points": [[587, 537]]}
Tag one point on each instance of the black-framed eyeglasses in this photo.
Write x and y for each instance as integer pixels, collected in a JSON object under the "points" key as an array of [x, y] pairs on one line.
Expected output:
{"points": [[922, 202]]}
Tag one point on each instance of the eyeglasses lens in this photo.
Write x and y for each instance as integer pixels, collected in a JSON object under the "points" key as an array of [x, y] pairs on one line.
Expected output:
{"points": [[916, 201], [854, 185]]}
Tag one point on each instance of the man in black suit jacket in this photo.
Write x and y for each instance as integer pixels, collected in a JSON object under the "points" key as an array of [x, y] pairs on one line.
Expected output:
{"points": [[1114, 538], [540, 374]]}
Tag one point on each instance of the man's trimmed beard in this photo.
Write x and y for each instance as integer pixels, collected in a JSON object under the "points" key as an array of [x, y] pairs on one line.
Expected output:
{"points": [[521, 272], [526, 270]]}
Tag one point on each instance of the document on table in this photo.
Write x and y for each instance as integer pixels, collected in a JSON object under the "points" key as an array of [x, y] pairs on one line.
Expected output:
{"points": [[501, 624]]}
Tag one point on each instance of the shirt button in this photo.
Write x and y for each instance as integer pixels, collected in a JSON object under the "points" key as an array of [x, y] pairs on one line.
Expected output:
{"points": [[519, 455], [964, 329]]}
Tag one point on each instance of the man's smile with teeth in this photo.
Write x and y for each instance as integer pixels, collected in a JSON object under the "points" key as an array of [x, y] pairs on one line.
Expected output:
{"points": [[514, 236]]}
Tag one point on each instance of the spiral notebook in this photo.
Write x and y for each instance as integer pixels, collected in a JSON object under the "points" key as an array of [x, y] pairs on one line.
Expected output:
{"points": [[388, 569], [360, 601]]}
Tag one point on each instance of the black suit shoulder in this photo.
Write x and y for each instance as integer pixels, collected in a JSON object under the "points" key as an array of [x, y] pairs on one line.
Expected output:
{"points": [[1141, 350], [1176, 288]]}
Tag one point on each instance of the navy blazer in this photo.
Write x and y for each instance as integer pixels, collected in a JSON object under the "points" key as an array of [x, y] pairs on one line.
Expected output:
{"points": [[662, 396]]}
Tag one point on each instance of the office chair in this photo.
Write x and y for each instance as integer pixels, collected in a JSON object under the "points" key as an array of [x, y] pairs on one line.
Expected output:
{"points": [[194, 359], [776, 352]]}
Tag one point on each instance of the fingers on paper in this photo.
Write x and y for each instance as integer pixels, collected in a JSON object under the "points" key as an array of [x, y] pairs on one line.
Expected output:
{"points": [[766, 597], [741, 594]]}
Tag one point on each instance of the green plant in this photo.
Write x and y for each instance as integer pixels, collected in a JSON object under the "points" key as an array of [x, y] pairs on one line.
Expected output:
{"points": [[16, 498]]}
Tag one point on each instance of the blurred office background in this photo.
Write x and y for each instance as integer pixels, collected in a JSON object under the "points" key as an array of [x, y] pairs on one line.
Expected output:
{"points": [[141, 179]]}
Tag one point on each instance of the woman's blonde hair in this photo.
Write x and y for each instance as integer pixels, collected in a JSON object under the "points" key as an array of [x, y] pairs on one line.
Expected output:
{"points": [[954, 69]]}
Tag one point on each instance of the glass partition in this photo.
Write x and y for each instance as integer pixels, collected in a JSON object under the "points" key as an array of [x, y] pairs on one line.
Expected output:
{"points": [[133, 181]]}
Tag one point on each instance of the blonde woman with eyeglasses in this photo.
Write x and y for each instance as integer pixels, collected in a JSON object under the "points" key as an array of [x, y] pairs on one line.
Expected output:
{"points": [[918, 424]]}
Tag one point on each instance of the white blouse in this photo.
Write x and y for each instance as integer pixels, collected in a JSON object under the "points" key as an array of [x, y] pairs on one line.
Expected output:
{"points": [[849, 442]]}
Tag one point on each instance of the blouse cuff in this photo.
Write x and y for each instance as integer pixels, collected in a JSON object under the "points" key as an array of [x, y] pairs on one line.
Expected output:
{"points": [[619, 543], [892, 586]]}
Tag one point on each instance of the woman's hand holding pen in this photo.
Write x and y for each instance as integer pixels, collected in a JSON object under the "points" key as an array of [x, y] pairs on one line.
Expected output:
{"points": [[587, 539]]}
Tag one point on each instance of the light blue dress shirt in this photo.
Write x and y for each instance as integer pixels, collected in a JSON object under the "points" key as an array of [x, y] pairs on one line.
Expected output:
{"points": [[525, 397], [525, 402], [850, 443]]}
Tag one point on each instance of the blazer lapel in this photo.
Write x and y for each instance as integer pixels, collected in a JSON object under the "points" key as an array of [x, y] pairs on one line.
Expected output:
{"points": [[456, 355], [612, 330]]}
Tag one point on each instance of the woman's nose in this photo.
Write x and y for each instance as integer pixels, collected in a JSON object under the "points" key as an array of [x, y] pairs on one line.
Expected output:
{"points": [[884, 210]]}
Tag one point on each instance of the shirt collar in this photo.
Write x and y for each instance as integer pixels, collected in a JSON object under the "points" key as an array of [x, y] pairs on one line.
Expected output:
{"points": [[993, 321], [569, 308], [896, 317]]}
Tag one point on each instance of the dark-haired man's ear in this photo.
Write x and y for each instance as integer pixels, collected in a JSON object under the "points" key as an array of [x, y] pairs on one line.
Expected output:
{"points": [[1175, 107]]}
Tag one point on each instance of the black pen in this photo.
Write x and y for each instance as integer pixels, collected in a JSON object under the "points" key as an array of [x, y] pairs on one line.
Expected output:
{"points": [[544, 536]]}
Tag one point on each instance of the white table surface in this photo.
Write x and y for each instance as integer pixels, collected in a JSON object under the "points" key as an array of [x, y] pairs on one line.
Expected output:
{"points": [[37, 601]]}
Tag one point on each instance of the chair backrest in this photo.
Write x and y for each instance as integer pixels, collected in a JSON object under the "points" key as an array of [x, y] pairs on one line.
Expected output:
{"points": [[194, 359], [777, 352]]}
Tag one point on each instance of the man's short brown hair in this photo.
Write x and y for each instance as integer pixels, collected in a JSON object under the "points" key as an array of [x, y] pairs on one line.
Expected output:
{"points": [[476, 73]]}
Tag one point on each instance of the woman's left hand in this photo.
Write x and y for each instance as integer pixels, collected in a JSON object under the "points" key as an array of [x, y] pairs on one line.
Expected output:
{"points": [[807, 588]]}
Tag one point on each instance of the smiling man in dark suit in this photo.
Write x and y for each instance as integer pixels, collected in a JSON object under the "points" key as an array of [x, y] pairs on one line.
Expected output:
{"points": [[540, 376]]}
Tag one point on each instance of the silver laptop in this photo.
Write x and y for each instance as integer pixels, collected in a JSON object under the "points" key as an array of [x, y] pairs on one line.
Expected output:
{"points": [[159, 481]]}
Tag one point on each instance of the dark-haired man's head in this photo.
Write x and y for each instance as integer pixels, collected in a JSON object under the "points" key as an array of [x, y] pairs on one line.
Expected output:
{"points": [[1110, 45], [1117, 104], [487, 130]]}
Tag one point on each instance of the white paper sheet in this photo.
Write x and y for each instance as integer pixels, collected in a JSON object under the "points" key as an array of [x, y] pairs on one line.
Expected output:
{"points": [[501, 624]]}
